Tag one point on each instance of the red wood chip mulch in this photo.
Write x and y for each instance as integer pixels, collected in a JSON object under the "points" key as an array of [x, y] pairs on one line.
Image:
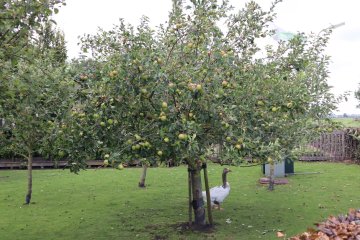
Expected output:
{"points": [[277, 181]]}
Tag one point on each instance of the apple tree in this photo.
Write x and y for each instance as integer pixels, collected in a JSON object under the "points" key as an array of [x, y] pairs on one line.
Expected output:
{"points": [[284, 97], [172, 88], [194, 83], [34, 88]]}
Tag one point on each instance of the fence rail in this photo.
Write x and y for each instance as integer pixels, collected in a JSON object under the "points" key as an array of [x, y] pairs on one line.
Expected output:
{"points": [[41, 163]]}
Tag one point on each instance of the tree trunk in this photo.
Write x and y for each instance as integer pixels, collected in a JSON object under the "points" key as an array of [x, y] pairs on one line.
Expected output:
{"points": [[198, 201], [143, 176], [272, 177], [29, 190]]}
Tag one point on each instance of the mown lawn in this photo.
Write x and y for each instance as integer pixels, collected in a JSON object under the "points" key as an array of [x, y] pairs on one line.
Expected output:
{"points": [[107, 204], [348, 122]]}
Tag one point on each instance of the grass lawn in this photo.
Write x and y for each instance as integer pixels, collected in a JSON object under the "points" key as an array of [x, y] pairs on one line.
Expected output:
{"points": [[107, 204], [348, 122]]}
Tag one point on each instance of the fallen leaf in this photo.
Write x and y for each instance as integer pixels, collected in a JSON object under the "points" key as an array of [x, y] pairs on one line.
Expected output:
{"points": [[280, 234]]}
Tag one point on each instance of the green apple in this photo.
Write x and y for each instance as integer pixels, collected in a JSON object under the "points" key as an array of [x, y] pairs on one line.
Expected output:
{"points": [[166, 139], [159, 60], [135, 147], [61, 153], [164, 105], [182, 136], [260, 103], [110, 121], [160, 153], [137, 137], [121, 166], [106, 162], [238, 146], [220, 91], [102, 124], [162, 118]]}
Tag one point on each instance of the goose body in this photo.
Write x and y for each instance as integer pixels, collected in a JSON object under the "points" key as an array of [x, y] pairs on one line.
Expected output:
{"points": [[219, 193]]}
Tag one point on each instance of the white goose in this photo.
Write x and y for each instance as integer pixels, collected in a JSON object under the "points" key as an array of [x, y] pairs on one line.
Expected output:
{"points": [[219, 193]]}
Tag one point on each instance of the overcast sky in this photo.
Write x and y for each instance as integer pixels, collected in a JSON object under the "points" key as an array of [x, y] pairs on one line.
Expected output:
{"points": [[85, 16]]}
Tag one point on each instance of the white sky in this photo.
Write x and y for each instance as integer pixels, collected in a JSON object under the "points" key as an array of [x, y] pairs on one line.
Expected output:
{"points": [[85, 16]]}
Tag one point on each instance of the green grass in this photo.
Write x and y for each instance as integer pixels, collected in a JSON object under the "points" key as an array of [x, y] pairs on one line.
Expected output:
{"points": [[107, 204], [348, 122]]}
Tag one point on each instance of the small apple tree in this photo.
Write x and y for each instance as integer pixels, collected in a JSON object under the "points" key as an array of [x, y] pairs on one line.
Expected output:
{"points": [[281, 98], [34, 88]]}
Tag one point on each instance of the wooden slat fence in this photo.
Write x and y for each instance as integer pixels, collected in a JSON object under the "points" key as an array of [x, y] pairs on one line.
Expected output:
{"points": [[336, 146]]}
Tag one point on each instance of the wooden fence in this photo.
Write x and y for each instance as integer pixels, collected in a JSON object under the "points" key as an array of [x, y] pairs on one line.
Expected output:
{"points": [[336, 146], [41, 163]]}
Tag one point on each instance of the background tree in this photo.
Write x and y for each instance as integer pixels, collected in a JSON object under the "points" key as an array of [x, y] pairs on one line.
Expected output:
{"points": [[357, 95], [35, 104], [19, 23], [283, 99], [33, 89]]}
